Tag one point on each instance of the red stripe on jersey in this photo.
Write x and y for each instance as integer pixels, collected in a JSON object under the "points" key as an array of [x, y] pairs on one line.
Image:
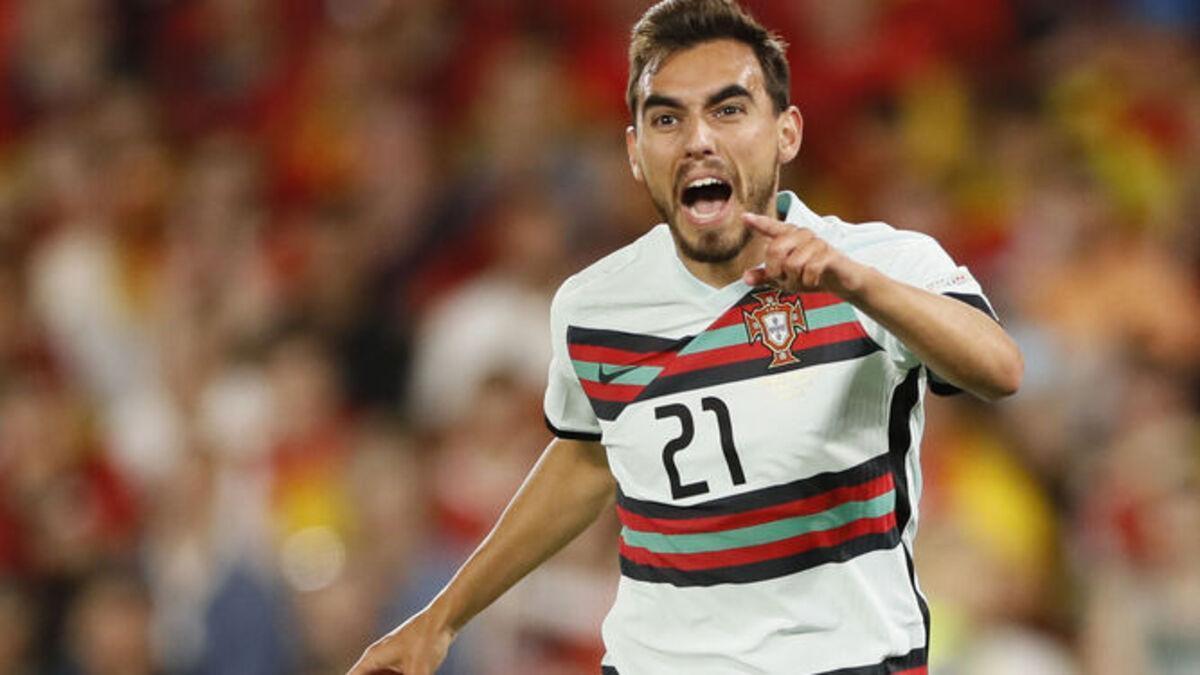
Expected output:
{"points": [[758, 553], [816, 300], [623, 393], [800, 507], [842, 332], [618, 357]]}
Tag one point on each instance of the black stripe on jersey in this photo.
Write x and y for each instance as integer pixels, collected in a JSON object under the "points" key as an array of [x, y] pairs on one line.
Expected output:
{"points": [[734, 372], [938, 385], [606, 410], [766, 569], [895, 664], [941, 387], [974, 300], [571, 435], [768, 496], [904, 400], [745, 370], [628, 342]]}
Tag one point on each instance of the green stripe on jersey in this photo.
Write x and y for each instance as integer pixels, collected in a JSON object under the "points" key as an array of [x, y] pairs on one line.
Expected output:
{"points": [[640, 375], [831, 315], [765, 533], [715, 339], [822, 317]]}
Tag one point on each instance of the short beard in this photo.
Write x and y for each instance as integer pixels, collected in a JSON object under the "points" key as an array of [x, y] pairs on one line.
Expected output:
{"points": [[710, 248]]}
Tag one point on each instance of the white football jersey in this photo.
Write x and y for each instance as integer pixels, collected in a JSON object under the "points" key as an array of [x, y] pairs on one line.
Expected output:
{"points": [[765, 447]]}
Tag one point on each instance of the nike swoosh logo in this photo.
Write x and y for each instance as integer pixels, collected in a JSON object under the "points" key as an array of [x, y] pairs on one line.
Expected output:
{"points": [[611, 375]]}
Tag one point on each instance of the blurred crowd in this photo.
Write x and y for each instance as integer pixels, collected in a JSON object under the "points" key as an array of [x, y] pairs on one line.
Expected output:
{"points": [[274, 281]]}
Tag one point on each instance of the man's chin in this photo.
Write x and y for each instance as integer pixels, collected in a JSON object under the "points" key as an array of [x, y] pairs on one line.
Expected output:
{"points": [[712, 247]]}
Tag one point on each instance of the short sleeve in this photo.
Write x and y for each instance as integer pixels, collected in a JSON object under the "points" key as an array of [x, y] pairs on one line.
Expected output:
{"points": [[918, 260], [567, 409]]}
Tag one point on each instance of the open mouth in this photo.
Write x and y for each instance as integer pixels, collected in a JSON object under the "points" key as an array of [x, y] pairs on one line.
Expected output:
{"points": [[706, 197]]}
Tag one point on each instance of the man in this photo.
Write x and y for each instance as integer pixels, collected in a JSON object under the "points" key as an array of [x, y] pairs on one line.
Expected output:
{"points": [[747, 380]]}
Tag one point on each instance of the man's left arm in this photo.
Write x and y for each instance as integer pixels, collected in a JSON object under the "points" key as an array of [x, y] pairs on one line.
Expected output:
{"points": [[960, 343]]}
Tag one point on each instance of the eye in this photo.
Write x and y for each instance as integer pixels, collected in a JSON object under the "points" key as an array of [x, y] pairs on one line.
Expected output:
{"points": [[730, 109], [664, 120]]}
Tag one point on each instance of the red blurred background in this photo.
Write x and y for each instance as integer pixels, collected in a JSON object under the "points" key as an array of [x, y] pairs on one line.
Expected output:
{"points": [[273, 314]]}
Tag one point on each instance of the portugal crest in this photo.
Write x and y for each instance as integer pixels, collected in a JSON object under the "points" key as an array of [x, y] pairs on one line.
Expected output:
{"points": [[776, 324]]}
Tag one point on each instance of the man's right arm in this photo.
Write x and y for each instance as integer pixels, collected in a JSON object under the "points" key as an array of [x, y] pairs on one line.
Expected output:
{"points": [[564, 493]]}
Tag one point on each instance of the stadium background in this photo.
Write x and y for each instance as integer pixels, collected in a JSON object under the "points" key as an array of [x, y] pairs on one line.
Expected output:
{"points": [[273, 301]]}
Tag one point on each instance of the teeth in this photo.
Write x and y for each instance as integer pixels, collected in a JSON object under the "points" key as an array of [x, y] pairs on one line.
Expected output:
{"points": [[701, 182]]}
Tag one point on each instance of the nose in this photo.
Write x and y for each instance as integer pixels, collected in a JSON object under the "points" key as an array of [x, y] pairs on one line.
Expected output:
{"points": [[700, 139]]}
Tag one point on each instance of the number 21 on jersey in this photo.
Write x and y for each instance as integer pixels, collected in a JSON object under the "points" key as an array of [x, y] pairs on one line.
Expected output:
{"points": [[687, 432]]}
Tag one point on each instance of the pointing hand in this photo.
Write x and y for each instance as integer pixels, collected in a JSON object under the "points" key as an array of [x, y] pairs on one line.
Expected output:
{"points": [[796, 260]]}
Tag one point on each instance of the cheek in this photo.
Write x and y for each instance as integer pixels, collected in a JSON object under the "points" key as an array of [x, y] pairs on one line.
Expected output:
{"points": [[756, 146], [767, 143], [656, 169]]}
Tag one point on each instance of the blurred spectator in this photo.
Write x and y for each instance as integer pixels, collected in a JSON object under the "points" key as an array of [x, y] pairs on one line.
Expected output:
{"points": [[1138, 546], [499, 321], [18, 616], [109, 630]]}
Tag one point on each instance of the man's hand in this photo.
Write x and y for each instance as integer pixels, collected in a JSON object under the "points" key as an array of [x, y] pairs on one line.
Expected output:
{"points": [[417, 647], [797, 260]]}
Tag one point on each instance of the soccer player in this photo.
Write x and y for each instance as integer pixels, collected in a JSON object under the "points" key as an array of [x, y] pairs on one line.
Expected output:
{"points": [[746, 380]]}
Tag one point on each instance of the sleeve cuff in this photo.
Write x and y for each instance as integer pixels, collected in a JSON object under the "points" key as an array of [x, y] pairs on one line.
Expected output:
{"points": [[936, 384], [571, 435], [976, 301], [941, 387]]}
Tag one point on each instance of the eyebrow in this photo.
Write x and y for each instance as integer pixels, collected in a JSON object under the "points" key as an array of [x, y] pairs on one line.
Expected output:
{"points": [[727, 92], [731, 91], [658, 100]]}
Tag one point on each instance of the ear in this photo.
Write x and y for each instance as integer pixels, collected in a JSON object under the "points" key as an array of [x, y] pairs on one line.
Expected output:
{"points": [[631, 148], [791, 133]]}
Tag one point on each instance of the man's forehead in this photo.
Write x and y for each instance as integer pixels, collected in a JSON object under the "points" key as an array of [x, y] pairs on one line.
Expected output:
{"points": [[702, 70]]}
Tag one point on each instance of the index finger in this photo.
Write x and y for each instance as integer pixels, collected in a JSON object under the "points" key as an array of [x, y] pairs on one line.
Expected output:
{"points": [[766, 225]]}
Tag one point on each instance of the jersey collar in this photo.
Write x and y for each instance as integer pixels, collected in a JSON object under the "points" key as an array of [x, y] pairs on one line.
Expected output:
{"points": [[790, 209]]}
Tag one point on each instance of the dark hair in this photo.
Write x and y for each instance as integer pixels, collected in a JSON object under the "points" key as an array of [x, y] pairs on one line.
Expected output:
{"points": [[674, 25]]}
